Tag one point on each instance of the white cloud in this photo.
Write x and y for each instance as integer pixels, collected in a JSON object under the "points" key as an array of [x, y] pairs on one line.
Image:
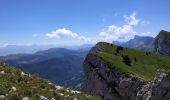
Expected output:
{"points": [[118, 33], [124, 32], [63, 32], [132, 20], [145, 23]]}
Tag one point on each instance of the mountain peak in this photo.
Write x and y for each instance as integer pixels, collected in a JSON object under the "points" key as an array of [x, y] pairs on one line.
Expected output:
{"points": [[108, 75], [162, 43], [137, 36], [144, 43], [162, 31], [164, 34]]}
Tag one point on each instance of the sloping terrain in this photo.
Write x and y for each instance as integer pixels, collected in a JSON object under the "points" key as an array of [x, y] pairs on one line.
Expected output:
{"points": [[116, 73], [59, 65], [141, 62], [65, 71], [18, 85]]}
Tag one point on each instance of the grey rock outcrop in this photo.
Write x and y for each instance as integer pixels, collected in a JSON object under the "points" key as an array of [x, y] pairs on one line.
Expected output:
{"points": [[162, 43], [159, 89], [109, 84]]}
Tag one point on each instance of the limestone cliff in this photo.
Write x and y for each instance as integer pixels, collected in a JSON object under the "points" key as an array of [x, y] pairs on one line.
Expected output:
{"points": [[162, 43], [113, 84]]}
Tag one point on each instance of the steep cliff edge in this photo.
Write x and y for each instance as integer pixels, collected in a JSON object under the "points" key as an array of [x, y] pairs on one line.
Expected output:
{"points": [[107, 76], [162, 43]]}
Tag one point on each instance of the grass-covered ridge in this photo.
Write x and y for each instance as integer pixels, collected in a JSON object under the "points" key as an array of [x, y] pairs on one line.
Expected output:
{"points": [[143, 65], [165, 34], [17, 85]]}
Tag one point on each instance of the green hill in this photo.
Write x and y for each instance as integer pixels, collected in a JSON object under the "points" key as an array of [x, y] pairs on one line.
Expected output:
{"points": [[17, 85], [59, 65], [165, 34], [144, 65]]}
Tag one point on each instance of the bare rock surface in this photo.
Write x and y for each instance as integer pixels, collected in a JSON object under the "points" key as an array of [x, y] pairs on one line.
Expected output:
{"points": [[162, 43]]}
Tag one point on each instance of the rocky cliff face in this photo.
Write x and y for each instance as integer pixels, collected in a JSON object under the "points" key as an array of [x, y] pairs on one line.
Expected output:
{"points": [[162, 43], [159, 89], [112, 84]]}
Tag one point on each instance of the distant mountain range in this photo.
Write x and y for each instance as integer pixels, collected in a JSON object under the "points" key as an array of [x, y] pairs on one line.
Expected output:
{"points": [[59, 65], [65, 66], [27, 49], [143, 43]]}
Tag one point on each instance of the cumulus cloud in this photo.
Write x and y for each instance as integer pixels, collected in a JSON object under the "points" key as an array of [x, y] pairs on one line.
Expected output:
{"points": [[124, 32], [63, 32], [132, 20], [118, 33]]}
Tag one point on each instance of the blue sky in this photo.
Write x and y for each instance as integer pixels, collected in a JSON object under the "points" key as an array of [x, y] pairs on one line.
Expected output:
{"points": [[75, 22]]}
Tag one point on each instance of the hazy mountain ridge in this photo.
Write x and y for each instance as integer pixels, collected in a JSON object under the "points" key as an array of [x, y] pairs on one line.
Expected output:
{"points": [[29, 49], [65, 71], [59, 65], [143, 43], [15, 49]]}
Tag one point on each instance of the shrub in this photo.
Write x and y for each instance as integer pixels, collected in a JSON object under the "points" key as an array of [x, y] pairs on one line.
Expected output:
{"points": [[135, 59], [119, 48], [115, 54], [127, 60], [146, 53]]}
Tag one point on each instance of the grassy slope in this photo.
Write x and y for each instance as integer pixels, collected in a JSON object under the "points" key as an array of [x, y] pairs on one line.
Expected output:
{"points": [[145, 67], [33, 87], [166, 34]]}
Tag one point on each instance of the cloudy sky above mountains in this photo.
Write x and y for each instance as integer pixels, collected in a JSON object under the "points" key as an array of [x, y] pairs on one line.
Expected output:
{"points": [[76, 22]]}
